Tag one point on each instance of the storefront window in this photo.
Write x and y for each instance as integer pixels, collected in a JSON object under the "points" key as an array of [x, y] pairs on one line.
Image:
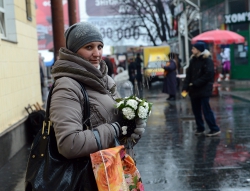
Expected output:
{"points": [[216, 21], [241, 54]]}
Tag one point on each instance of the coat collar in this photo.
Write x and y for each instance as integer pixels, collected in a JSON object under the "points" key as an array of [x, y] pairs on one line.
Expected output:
{"points": [[204, 54], [72, 65]]}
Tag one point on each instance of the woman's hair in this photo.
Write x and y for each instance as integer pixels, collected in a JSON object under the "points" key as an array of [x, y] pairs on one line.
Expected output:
{"points": [[171, 55]]}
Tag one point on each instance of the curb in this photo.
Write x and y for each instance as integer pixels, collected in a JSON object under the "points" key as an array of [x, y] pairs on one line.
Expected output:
{"points": [[235, 82], [238, 95]]}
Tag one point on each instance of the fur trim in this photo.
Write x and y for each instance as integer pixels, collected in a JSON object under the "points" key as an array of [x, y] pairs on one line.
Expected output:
{"points": [[205, 54]]}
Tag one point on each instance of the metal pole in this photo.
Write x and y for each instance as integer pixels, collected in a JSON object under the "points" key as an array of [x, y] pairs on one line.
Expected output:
{"points": [[180, 43], [179, 36], [186, 44], [192, 4], [72, 12], [57, 26], [199, 5]]}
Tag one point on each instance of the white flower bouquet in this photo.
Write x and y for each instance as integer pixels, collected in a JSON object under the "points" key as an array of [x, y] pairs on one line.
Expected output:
{"points": [[134, 108]]}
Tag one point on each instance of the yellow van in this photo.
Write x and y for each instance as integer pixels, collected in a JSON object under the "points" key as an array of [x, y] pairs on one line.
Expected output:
{"points": [[154, 58]]}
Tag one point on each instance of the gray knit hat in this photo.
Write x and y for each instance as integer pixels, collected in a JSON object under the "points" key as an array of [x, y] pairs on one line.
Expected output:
{"points": [[81, 33]]}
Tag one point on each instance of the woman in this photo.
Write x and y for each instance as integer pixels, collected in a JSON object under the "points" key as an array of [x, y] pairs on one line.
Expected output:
{"points": [[81, 61], [170, 82], [225, 55]]}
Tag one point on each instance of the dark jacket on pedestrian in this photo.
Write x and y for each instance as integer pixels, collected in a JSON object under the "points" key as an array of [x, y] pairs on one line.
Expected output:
{"points": [[131, 71], [110, 66], [138, 62], [170, 82], [42, 76], [200, 76]]}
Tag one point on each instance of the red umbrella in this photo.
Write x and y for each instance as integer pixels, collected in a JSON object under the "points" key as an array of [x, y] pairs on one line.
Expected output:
{"points": [[219, 37]]}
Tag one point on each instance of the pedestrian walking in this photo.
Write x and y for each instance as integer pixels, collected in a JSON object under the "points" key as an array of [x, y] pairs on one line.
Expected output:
{"points": [[178, 70], [132, 70], [124, 86], [226, 65], [81, 63], [109, 65], [138, 64], [170, 81], [199, 84]]}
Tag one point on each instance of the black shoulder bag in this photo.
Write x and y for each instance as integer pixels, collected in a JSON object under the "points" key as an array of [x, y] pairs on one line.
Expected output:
{"points": [[47, 170]]}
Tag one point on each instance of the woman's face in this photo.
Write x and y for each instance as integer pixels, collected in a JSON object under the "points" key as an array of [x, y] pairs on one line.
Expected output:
{"points": [[92, 52]]}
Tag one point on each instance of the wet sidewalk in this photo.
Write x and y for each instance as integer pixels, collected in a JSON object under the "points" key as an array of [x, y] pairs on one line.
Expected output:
{"points": [[169, 155], [236, 89], [12, 174]]}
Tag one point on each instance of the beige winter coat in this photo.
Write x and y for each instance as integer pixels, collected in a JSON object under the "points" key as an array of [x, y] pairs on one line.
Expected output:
{"points": [[67, 105]]}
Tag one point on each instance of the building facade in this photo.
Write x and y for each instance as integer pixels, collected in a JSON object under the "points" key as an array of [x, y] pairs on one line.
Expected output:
{"points": [[233, 15], [237, 19], [19, 72]]}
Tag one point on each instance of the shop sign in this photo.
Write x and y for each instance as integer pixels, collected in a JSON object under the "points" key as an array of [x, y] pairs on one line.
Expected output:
{"points": [[116, 33], [237, 18], [118, 28]]}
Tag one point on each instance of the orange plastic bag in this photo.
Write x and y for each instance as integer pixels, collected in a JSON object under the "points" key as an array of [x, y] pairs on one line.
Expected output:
{"points": [[115, 170]]}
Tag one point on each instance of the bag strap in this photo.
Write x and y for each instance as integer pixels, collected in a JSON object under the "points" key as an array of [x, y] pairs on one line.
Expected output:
{"points": [[86, 114], [98, 140]]}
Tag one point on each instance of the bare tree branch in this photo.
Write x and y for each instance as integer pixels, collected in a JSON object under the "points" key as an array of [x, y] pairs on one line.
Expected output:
{"points": [[150, 19], [151, 16]]}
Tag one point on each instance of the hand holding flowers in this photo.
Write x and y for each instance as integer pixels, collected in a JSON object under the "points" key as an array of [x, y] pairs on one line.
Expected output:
{"points": [[135, 112], [133, 107]]}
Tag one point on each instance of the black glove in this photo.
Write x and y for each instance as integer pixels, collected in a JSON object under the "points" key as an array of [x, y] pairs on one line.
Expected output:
{"points": [[127, 127], [130, 128]]}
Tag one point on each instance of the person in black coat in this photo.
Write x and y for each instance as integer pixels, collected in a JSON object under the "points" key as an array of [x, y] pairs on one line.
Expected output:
{"points": [[138, 62], [132, 71], [170, 81], [199, 84], [109, 65]]}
